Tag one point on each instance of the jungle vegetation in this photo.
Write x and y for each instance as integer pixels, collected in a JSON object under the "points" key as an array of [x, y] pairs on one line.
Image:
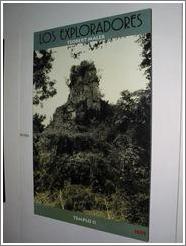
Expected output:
{"points": [[94, 157]]}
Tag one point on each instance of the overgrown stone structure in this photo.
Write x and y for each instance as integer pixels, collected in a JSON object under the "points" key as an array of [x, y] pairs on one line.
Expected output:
{"points": [[84, 95]]}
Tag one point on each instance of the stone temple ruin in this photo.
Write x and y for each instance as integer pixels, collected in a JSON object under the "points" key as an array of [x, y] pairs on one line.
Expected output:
{"points": [[84, 94], [84, 85]]}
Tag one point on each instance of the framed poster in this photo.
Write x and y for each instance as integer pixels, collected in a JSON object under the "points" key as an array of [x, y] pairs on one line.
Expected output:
{"points": [[92, 123]]}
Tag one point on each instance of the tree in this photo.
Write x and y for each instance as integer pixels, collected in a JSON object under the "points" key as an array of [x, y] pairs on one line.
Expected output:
{"points": [[43, 85], [146, 63], [38, 125], [142, 113], [143, 108], [124, 113]]}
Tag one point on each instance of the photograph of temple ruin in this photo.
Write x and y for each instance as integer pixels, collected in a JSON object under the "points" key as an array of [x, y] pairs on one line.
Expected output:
{"points": [[92, 128]]}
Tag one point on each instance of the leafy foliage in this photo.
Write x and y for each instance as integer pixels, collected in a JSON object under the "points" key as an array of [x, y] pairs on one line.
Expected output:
{"points": [[38, 126], [145, 42], [43, 85]]}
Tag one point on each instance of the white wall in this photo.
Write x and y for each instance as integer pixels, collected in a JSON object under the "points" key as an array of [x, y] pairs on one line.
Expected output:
{"points": [[20, 21]]}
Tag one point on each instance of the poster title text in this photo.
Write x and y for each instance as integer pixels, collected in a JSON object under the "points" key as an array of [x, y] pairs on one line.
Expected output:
{"points": [[91, 29]]}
